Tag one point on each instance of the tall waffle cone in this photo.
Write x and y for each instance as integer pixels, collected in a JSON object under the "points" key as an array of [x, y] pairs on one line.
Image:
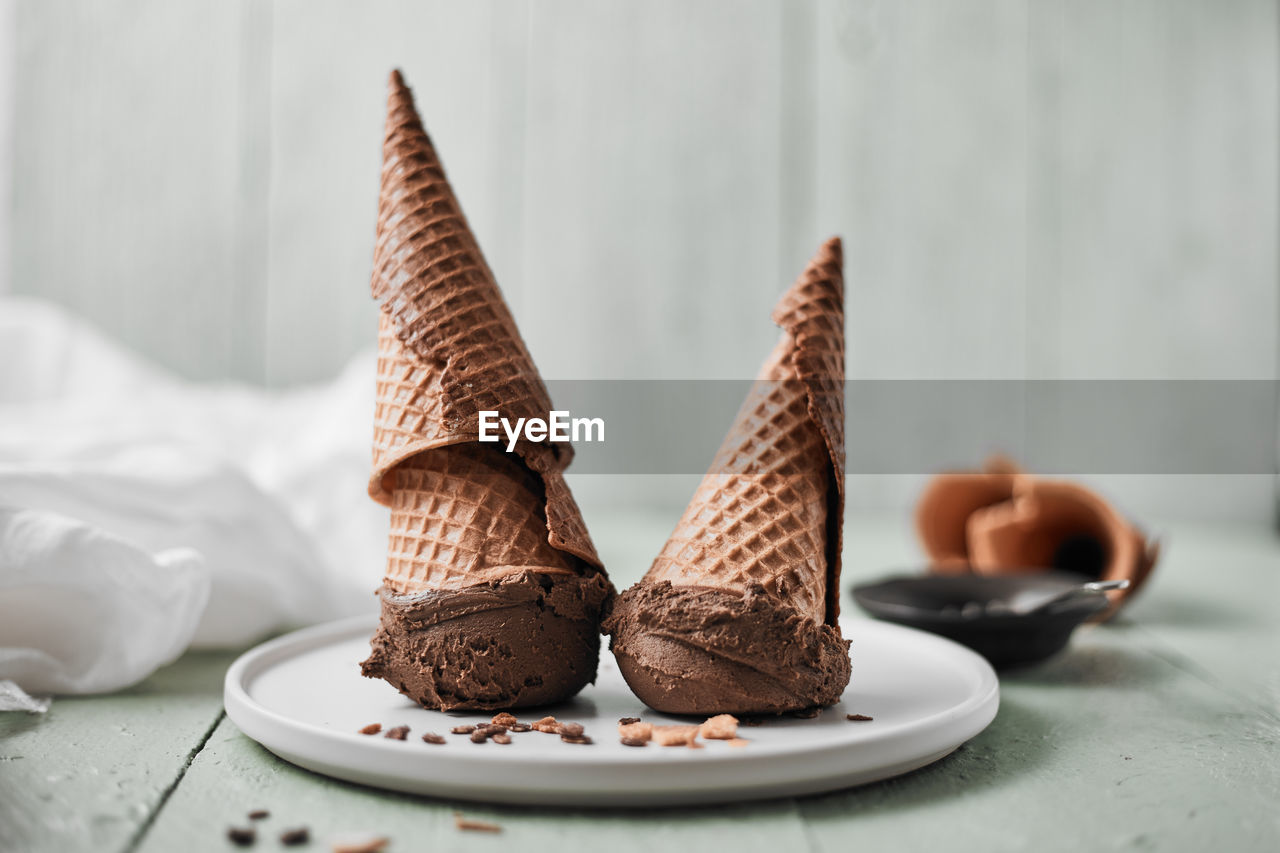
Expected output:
{"points": [[768, 511], [492, 592], [448, 347], [739, 611]]}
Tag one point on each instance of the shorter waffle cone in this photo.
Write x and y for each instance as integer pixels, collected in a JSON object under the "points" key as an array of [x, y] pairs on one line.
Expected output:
{"points": [[759, 515], [768, 511]]}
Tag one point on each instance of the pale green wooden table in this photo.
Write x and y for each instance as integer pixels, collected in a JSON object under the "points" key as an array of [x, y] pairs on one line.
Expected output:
{"points": [[1158, 733]]}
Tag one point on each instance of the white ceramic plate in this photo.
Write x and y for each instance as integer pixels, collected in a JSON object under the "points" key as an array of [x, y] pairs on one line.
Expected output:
{"points": [[302, 697]]}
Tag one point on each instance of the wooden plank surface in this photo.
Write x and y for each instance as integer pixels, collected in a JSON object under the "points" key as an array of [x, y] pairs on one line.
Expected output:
{"points": [[653, 188], [233, 775], [131, 141], [328, 84], [1026, 190], [1161, 729], [1155, 139], [922, 127], [90, 774]]}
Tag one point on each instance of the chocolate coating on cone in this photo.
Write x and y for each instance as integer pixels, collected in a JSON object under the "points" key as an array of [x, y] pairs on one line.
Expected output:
{"points": [[531, 638], [493, 588], [693, 650], [750, 576]]}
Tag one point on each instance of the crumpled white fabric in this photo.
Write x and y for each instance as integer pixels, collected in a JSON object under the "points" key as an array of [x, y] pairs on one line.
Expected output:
{"points": [[108, 455], [82, 611]]}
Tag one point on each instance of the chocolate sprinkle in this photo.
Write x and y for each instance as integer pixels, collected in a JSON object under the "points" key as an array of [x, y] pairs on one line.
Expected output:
{"points": [[502, 739], [259, 814], [432, 737], [520, 727], [371, 729], [634, 741], [575, 739], [858, 718], [242, 836], [294, 837], [571, 729], [398, 733], [467, 825], [479, 736], [462, 730], [626, 721]]}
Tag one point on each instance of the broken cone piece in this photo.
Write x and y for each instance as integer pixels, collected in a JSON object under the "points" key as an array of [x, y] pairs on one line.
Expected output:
{"points": [[1003, 521]]}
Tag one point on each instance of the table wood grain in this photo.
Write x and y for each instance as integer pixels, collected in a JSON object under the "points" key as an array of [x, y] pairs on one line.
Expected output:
{"points": [[1159, 732]]}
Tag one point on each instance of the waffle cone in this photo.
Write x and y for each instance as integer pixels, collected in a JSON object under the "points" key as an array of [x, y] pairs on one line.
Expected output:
{"points": [[768, 512], [462, 513]]}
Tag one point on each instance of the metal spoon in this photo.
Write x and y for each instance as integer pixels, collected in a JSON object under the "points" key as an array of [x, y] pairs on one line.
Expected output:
{"points": [[1030, 602]]}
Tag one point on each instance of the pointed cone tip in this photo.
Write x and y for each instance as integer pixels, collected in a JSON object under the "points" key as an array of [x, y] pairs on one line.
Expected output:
{"points": [[397, 80], [832, 249]]}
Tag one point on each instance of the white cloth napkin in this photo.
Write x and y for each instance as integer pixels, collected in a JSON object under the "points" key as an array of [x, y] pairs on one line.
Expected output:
{"points": [[82, 611], [184, 513]]}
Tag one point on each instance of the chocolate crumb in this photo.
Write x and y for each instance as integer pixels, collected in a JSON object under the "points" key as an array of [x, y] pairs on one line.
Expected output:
{"points": [[858, 718], [462, 730], [575, 739], [361, 844], [294, 837], [467, 825], [634, 741], [479, 736], [242, 836], [398, 733], [432, 737], [504, 719], [626, 721], [808, 713], [259, 814], [371, 729], [502, 739], [572, 729], [548, 725], [520, 727]]}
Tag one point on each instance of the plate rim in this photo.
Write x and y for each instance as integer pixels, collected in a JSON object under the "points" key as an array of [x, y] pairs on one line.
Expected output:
{"points": [[973, 715]]}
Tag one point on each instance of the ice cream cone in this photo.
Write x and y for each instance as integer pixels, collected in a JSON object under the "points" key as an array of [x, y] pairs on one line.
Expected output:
{"points": [[738, 612], [492, 590]]}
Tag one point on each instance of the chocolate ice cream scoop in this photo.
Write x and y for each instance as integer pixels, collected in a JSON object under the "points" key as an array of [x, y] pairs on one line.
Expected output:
{"points": [[738, 612]]}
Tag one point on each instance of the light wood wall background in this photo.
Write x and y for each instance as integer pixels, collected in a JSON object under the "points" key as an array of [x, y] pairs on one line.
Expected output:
{"points": [[1042, 189]]}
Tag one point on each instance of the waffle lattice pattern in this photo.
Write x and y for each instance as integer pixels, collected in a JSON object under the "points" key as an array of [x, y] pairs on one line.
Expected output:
{"points": [[448, 345], [763, 512], [759, 516], [463, 515]]}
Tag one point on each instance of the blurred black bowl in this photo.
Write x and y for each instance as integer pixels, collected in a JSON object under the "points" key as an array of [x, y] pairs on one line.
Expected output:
{"points": [[956, 607]]}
